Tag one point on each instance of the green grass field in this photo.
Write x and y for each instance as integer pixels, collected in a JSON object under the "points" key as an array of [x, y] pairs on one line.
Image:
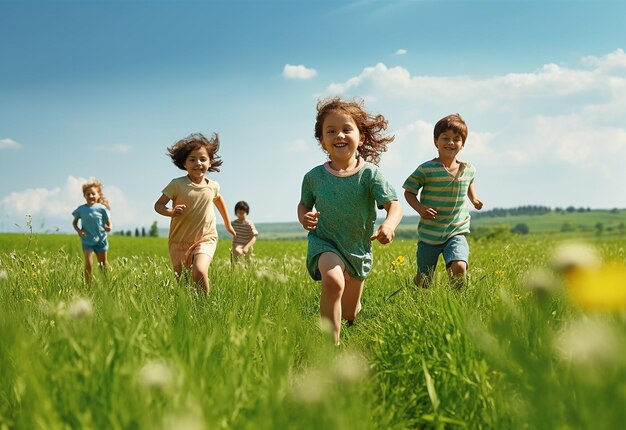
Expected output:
{"points": [[138, 350], [559, 224]]}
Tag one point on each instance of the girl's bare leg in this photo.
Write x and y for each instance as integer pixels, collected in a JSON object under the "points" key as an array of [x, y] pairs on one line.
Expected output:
{"points": [[200, 271], [88, 265], [351, 298], [103, 262], [333, 284]]}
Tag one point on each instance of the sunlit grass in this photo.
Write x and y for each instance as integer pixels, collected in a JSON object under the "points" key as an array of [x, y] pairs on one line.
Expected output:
{"points": [[138, 350]]}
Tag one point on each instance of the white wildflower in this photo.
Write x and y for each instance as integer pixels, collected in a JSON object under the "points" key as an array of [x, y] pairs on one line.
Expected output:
{"points": [[156, 375], [3, 275], [350, 367], [184, 422], [80, 308], [267, 275], [309, 387], [587, 342], [190, 417], [326, 326], [572, 255], [541, 282]]}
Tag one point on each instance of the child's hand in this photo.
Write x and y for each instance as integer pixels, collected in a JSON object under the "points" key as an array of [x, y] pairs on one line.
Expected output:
{"points": [[309, 221], [477, 204], [384, 234], [82, 233], [178, 210], [230, 229], [107, 228], [428, 213]]}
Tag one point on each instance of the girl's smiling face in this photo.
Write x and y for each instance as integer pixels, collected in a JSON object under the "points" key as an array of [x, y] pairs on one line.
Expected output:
{"points": [[91, 195], [197, 164], [341, 138]]}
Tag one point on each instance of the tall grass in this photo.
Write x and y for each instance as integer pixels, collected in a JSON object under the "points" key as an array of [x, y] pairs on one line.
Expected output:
{"points": [[136, 349]]}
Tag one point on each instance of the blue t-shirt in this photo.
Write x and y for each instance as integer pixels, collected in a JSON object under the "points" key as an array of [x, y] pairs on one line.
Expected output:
{"points": [[92, 221]]}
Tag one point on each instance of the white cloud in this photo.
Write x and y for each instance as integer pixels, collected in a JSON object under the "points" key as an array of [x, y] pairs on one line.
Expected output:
{"points": [[557, 112], [612, 61], [298, 72], [400, 52], [9, 144], [121, 149], [548, 82], [55, 205], [557, 121]]}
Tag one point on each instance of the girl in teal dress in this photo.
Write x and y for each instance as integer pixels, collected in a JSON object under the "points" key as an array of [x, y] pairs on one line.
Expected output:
{"points": [[338, 206]]}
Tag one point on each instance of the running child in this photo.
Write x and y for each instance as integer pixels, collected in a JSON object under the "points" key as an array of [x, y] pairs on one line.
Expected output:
{"points": [[193, 233], [95, 223], [245, 230], [443, 184], [345, 192]]}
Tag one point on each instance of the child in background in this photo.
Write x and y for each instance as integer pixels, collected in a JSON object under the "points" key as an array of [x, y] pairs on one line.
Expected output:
{"points": [[193, 233], [444, 182], [246, 233], [95, 222], [345, 192]]}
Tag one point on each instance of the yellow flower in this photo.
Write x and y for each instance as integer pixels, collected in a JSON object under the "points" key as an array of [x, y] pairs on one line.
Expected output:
{"points": [[399, 261], [602, 288]]}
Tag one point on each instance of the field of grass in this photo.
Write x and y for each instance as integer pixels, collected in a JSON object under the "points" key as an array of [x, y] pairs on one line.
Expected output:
{"points": [[515, 349], [578, 224]]}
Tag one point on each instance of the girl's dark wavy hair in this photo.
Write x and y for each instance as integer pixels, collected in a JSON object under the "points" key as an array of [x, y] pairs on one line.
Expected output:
{"points": [[370, 126], [179, 151]]}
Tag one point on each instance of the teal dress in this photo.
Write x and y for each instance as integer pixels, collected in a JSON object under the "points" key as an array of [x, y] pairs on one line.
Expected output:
{"points": [[347, 206]]}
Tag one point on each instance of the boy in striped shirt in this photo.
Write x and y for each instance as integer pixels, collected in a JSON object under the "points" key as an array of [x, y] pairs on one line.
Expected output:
{"points": [[443, 183], [245, 231]]}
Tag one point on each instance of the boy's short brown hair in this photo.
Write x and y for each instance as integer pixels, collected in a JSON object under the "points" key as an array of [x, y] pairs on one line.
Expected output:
{"points": [[452, 122]]}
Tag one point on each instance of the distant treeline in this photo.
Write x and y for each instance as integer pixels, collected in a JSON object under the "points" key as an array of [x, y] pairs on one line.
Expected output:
{"points": [[529, 210], [153, 232]]}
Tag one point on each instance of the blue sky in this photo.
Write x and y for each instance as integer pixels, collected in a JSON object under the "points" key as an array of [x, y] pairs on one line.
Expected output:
{"points": [[100, 89]]}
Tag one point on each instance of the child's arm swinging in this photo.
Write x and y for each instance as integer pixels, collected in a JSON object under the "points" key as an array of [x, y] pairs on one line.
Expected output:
{"points": [[161, 207], [221, 208], [307, 217], [471, 193], [386, 231], [425, 212], [80, 232]]}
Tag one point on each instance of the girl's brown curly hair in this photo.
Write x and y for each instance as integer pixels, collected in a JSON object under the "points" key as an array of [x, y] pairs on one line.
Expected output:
{"points": [[181, 150], [370, 126], [94, 183]]}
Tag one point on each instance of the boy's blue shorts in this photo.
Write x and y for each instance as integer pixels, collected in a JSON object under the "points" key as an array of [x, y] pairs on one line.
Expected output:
{"points": [[454, 249]]}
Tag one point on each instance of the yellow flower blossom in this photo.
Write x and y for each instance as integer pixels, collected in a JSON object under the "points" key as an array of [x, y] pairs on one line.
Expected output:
{"points": [[602, 288], [399, 261]]}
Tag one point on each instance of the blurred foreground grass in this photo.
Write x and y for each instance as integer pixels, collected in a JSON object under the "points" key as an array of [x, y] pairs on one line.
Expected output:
{"points": [[137, 350]]}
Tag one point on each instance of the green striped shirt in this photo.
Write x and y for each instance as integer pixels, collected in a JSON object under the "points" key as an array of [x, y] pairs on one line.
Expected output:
{"points": [[447, 194]]}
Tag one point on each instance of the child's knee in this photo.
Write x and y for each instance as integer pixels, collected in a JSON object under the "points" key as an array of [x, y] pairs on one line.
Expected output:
{"points": [[332, 284], [458, 268]]}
